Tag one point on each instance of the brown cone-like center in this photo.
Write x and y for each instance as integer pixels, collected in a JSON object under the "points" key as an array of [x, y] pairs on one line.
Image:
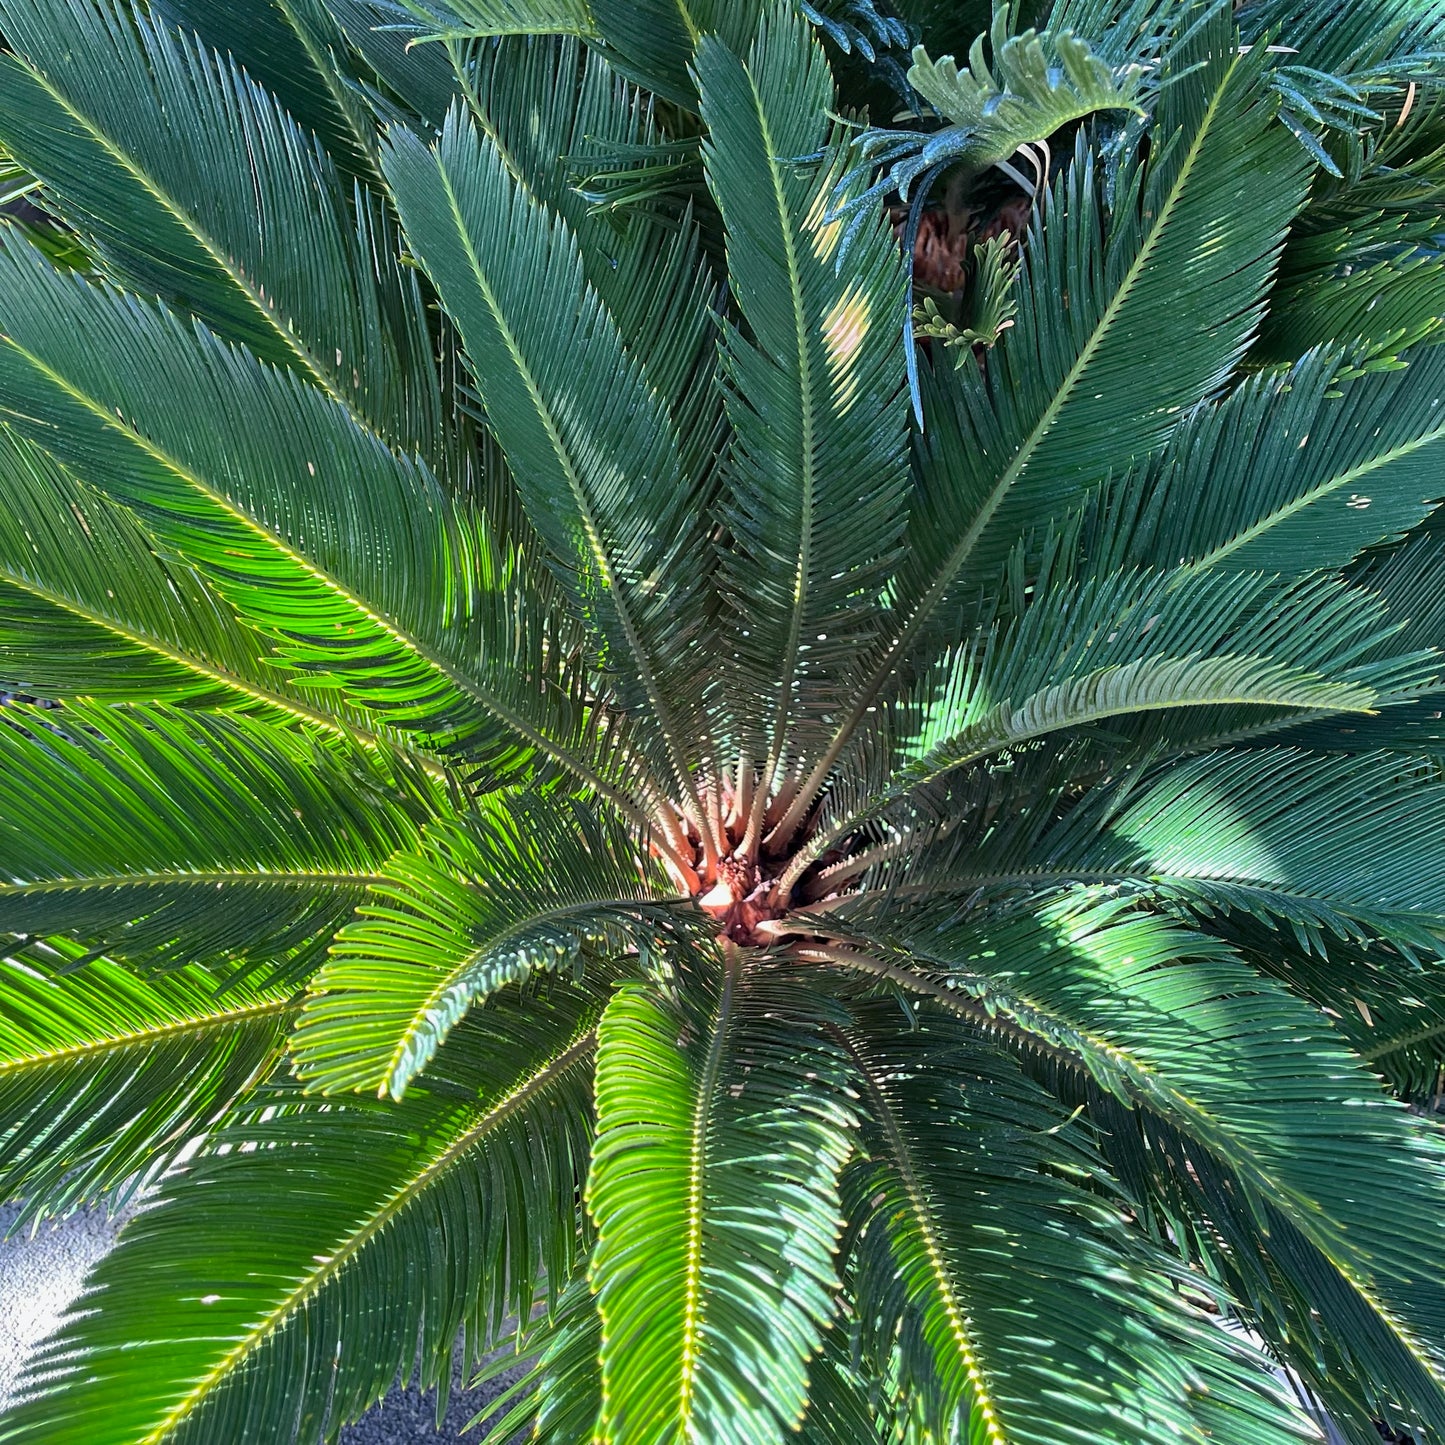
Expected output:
{"points": [[739, 883], [740, 899]]}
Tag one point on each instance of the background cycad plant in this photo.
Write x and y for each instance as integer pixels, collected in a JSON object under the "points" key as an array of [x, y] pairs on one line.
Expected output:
{"points": [[573, 778]]}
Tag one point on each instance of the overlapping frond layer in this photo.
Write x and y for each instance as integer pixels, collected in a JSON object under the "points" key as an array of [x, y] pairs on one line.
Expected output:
{"points": [[1389, 1007], [1293, 472], [816, 482], [1274, 836], [990, 1249], [89, 607], [651, 42], [1010, 445], [104, 1075], [1375, 282], [722, 1128], [366, 576], [555, 111], [1172, 1023], [1289, 1292], [520, 885], [1129, 643], [1113, 342], [841, 1402], [194, 186], [386, 1230], [331, 63], [558, 1399], [589, 442], [1279, 834], [1347, 36], [177, 836]]}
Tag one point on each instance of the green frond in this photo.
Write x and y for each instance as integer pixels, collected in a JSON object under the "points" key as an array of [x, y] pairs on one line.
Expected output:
{"points": [[1347, 37], [172, 836], [1045, 82], [316, 1252], [1271, 835], [721, 1132], [517, 887], [192, 185], [1293, 472], [558, 1400], [1115, 341], [990, 1246], [331, 63], [89, 607], [1290, 1293], [840, 1401], [1087, 651], [460, 18], [1390, 1008], [104, 1076], [366, 576], [1374, 282], [1279, 835], [591, 446], [1172, 1024], [555, 112], [816, 481]]}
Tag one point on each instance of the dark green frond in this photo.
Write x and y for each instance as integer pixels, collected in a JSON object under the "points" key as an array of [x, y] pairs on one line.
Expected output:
{"points": [[280, 1285], [104, 1075], [1293, 472], [1175, 1026], [815, 486], [1280, 835], [194, 186], [1085, 652], [721, 1131], [519, 886], [365, 574], [990, 1247], [556, 113], [1347, 36], [331, 63], [592, 448], [1289, 1292], [175, 836], [1126, 320], [90, 607]]}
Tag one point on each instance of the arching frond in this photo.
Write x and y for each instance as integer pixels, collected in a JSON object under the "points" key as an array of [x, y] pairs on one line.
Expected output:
{"points": [[1293, 472], [104, 1075], [721, 1132], [1139, 1006], [1347, 36], [380, 586], [194, 186], [90, 607], [1274, 835], [989, 1247], [1114, 342], [592, 449], [519, 886], [815, 487], [1085, 652], [386, 1230], [175, 837]]}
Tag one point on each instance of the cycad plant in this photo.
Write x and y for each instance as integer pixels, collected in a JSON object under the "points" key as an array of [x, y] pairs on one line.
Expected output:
{"points": [[601, 771]]}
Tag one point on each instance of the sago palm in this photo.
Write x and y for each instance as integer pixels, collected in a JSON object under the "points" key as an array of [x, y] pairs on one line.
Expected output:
{"points": [[602, 770]]}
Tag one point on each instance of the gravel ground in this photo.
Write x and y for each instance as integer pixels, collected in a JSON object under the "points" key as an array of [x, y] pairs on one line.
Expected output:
{"points": [[39, 1277]]}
